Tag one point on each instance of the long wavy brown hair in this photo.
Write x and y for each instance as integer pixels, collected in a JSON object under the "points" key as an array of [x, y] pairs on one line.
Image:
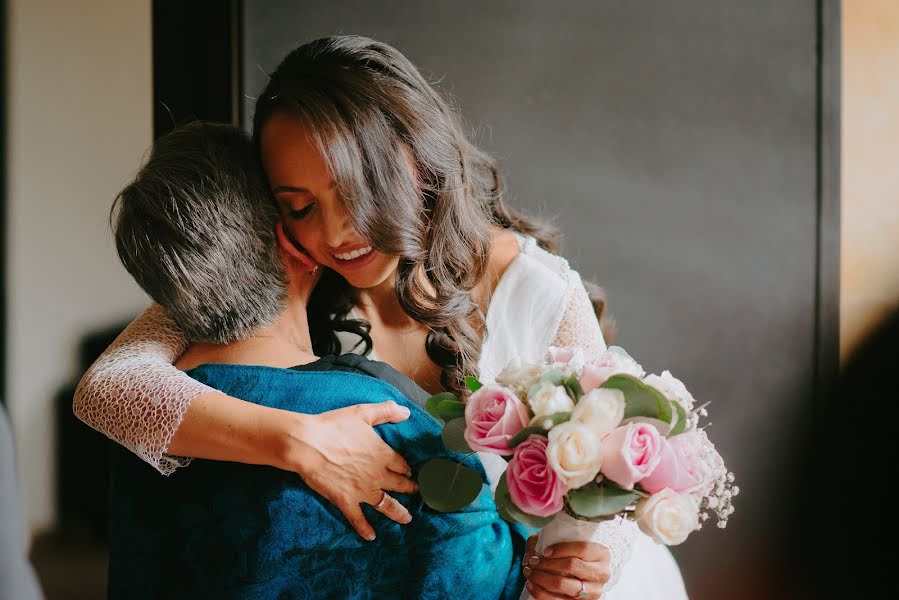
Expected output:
{"points": [[372, 114]]}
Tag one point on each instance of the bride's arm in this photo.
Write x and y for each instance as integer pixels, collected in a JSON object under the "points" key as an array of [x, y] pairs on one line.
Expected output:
{"points": [[134, 395], [579, 325]]}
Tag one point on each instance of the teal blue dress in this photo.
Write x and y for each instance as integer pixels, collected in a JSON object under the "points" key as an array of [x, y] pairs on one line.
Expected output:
{"points": [[229, 530]]}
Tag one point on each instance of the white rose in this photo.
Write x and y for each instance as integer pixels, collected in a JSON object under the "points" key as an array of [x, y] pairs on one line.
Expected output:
{"points": [[601, 410], [672, 388], [519, 375], [575, 453], [549, 399], [668, 517]]}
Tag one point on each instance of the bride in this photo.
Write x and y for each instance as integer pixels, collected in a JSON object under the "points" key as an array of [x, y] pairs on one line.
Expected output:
{"points": [[375, 179]]}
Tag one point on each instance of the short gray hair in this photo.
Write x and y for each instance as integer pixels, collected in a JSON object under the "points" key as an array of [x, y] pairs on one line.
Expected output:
{"points": [[196, 230]]}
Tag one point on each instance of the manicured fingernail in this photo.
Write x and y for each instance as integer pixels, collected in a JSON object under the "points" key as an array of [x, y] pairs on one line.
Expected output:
{"points": [[530, 586], [526, 571], [548, 552], [407, 519], [534, 560], [370, 536]]}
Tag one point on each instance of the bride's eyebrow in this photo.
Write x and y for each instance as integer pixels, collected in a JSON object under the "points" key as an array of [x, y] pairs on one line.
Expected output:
{"points": [[291, 189], [298, 190]]}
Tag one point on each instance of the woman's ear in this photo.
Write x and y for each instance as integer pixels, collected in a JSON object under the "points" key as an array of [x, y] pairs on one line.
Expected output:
{"points": [[293, 256]]}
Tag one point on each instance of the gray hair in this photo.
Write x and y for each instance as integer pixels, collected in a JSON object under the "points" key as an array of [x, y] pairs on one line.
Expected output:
{"points": [[196, 230]]}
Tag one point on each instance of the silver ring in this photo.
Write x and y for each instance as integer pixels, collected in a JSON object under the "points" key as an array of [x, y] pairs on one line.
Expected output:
{"points": [[383, 500], [583, 593]]}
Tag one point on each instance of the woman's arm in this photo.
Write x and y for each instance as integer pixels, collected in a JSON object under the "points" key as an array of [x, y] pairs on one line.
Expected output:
{"points": [[134, 395]]}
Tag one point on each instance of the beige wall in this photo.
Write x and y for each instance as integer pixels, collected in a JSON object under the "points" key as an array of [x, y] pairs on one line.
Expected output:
{"points": [[870, 175], [80, 117]]}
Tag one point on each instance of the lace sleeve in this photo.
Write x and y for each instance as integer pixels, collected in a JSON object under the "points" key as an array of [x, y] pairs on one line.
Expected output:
{"points": [[134, 395], [579, 325]]}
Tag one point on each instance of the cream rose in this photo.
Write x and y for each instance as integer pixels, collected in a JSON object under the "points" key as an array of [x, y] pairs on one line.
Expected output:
{"points": [[575, 453], [601, 410], [520, 375], [672, 388], [548, 399], [668, 517]]}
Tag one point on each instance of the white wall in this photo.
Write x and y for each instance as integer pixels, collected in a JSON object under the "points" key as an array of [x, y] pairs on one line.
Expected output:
{"points": [[79, 120]]}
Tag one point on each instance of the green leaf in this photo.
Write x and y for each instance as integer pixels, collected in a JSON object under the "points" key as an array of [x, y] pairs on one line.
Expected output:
{"points": [[681, 424], [600, 500], [453, 436], [432, 403], [555, 377], [445, 406], [448, 486], [640, 400], [573, 388], [526, 518], [522, 435], [473, 384], [502, 499]]}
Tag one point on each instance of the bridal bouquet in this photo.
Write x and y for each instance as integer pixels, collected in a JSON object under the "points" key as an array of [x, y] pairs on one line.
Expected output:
{"points": [[591, 443]]}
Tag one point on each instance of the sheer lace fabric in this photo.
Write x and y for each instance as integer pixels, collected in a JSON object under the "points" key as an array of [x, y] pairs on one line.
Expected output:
{"points": [[134, 394]]}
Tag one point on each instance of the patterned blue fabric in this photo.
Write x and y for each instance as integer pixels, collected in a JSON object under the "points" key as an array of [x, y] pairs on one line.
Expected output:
{"points": [[228, 530]]}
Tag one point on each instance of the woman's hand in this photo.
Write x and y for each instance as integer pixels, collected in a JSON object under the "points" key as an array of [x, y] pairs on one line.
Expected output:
{"points": [[566, 570], [340, 456]]}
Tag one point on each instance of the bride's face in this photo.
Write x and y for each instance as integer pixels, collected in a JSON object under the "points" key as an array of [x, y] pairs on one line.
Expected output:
{"points": [[311, 209]]}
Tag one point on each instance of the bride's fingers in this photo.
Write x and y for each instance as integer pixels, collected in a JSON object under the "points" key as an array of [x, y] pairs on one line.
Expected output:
{"points": [[540, 593], [558, 586], [573, 567], [587, 551], [392, 509], [353, 514], [393, 482], [289, 248]]}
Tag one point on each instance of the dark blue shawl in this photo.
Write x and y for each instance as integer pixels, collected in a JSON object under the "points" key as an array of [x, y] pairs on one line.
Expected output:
{"points": [[229, 530]]}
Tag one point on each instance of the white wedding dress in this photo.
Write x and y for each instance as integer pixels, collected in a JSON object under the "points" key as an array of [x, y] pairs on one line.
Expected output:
{"points": [[134, 394]]}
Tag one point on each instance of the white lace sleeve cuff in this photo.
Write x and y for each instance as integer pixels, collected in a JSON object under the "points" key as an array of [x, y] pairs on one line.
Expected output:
{"points": [[579, 325], [134, 395]]}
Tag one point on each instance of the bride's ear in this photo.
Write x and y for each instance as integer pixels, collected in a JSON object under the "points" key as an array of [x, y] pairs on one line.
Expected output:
{"points": [[292, 255]]}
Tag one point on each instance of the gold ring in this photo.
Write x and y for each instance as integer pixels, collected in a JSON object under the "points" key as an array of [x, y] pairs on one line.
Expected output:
{"points": [[383, 500]]}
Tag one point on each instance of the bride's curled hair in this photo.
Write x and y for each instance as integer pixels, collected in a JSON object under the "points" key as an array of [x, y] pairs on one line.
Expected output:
{"points": [[413, 183]]}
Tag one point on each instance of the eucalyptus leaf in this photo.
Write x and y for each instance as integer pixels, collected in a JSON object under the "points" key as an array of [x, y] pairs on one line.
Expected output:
{"points": [[432, 404], [453, 436], [681, 424], [502, 499], [526, 518], [600, 500], [451, 409], [448, 486], [640, 400], [473, 384]]}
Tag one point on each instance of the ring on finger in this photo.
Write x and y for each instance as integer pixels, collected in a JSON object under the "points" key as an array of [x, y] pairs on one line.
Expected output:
{"points": [[583, 593], [381, 502]]}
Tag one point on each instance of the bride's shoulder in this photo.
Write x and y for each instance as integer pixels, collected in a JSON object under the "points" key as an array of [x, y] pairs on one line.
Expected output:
{"points": [[533, 275]]}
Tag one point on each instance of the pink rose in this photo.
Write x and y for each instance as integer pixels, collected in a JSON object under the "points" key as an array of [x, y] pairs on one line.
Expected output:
{"points": [[688, 464], [630, 453], [567, 355], [493, 415], [533, 485], [614, 361]]}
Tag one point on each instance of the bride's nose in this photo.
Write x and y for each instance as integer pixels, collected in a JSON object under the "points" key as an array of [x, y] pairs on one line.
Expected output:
{"points": [[337, 225]]}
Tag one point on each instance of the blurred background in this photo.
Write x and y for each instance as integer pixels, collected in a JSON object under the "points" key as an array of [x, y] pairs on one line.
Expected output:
{"points": [[726, 170]]}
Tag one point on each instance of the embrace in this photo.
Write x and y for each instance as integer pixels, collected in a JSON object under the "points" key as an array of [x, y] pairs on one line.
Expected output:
{"points": [[313, 285]]}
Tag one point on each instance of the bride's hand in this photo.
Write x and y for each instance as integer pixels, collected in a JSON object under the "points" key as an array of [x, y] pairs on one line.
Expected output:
{"points": [[559, 572], [340, 456]]}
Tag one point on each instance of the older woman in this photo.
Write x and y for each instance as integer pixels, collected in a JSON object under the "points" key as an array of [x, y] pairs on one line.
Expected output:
{"points": [[196, 230]]}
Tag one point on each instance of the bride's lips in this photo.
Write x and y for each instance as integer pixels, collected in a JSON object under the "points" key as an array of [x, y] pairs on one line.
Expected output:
{"points": [[354, 257]]}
